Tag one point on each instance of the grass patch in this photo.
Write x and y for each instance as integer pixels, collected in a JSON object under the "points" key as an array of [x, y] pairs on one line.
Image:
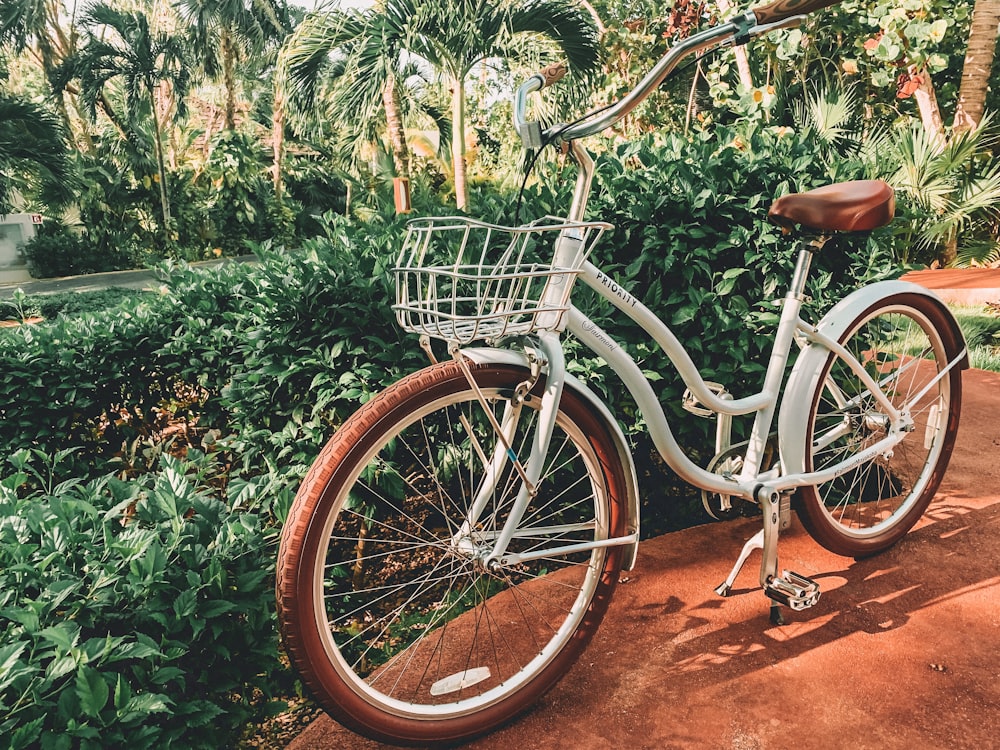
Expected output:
{"points": [[64, 304], [981, 326]]}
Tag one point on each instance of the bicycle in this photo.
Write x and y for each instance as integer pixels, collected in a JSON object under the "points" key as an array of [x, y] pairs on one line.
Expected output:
{"points": [[457, 542]]}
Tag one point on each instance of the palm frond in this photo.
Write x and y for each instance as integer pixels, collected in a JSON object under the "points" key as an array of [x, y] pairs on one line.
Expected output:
{"points": [[920, 173], [32, 152], [565, 23], [829, 114], [310, 53]]}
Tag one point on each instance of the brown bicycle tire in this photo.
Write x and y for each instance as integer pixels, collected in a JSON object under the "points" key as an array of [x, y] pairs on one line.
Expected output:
{"points": [[301, 543]]}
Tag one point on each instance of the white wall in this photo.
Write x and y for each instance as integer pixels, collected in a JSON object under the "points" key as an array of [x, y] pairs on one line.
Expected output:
{"points": [[15, 230]]}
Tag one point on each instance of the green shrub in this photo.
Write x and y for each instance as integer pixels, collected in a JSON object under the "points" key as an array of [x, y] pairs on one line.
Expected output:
{"points": [[56, 251], [133, 614], [319, 339], [229, 200], [275, 355], [93, 382]]}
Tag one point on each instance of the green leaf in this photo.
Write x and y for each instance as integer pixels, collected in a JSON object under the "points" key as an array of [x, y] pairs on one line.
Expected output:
{"points": [[60, 667], [9, 656], [185, 604], [25, 617], [27, 735], [91, 690], [132, 651], [64, 635], [148, 703]]}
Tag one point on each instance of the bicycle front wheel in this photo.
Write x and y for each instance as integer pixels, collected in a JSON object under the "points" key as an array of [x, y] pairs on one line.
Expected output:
{"points": [[905, 342], [388, 607]]}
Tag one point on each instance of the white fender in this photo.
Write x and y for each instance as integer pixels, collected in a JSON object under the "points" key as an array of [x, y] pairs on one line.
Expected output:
{"points": [[804, 379], [507, 357]]}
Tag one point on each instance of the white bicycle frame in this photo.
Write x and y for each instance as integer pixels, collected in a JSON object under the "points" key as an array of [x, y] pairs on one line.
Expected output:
{"points": [[768, 486], [751, 484]]}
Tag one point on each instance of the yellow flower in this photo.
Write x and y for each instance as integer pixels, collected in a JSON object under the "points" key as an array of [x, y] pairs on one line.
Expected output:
{"points": [[850, 67]]}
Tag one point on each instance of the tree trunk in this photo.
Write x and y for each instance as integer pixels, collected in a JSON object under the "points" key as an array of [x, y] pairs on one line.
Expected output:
{"points": [[229, 78], [978, 61], [595, 16], [458, 142], [397, 135], [278, 140], [691, 111], [109, 112], [165, 105], [743, 67], [158, 144], [930, 114], [742, 59], [81, 135]]}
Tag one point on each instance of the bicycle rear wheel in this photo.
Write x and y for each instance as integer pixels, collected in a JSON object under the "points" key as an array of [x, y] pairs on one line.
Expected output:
{"points": [[905, 342], [386, 608]]}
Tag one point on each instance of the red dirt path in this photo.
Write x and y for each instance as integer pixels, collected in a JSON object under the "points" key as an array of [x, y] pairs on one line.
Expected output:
{"points": [[961, 286], [902, 650]]}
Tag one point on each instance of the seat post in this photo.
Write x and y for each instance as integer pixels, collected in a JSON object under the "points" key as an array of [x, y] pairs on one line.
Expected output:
{"points": [[807, 247]]}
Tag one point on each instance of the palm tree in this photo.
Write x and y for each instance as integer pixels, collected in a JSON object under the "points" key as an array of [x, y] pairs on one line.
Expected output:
{"points": [[37, 28], [34, 25], [456, 35], [32, 153], [955, 189], [143, 60], [949, 190], [361, 54], [228, 32], [369, 47]]}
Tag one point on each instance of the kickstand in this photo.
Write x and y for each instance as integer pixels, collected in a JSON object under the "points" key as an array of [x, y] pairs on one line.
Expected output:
{"points": [[776, 617], [756, 542]]}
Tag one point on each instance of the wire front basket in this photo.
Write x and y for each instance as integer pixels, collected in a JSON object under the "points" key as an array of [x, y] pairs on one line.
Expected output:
{"points": [[463, 280]]}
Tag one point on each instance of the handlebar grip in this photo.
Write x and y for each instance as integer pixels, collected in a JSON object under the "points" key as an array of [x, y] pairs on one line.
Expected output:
{"points": [[779, 10], [552, 73]]}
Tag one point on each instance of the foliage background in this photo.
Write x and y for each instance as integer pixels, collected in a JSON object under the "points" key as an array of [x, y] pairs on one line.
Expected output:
{"points": [[152, 449]]}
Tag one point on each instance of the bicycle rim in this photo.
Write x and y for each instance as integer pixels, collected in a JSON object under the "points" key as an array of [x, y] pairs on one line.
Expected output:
{"points": [[416, 638], [904, 344]]}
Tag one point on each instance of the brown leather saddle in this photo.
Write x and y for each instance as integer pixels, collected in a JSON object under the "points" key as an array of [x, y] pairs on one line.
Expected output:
{"points": [[858, 206]]}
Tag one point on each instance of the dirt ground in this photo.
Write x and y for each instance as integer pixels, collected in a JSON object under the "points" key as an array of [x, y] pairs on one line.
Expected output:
{"points": [[900, 652]]}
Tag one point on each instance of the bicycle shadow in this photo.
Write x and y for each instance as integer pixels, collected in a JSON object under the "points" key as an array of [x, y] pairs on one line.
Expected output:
{"points": [[675, 666], [669, 641]]}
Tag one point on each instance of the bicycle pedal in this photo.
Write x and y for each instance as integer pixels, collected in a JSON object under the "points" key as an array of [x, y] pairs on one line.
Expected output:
{"points": [[793, 590], [691, 404]]}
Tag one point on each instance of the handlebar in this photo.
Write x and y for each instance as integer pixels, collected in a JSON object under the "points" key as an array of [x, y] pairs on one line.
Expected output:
{"points": [[738, 30], [552, 73]]}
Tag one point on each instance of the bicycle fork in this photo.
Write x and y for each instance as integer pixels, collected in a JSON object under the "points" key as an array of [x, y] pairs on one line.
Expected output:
{"points": [[492, 546]]}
